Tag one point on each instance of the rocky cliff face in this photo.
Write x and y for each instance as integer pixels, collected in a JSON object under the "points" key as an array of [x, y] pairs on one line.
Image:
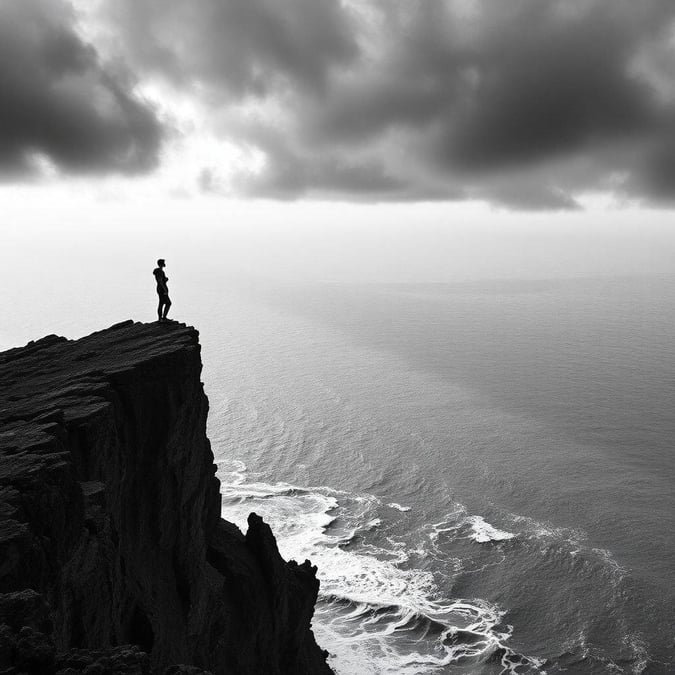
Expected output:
{"points": [[110, 528]]}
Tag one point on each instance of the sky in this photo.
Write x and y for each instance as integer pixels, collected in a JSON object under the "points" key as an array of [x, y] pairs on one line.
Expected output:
{"points": [[527, 104], [350, 121]]}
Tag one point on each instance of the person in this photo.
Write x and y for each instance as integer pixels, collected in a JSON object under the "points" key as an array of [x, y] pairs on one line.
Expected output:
{"points": [[162, 290]]}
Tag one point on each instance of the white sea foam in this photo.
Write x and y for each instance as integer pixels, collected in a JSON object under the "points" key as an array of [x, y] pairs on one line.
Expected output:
{"points": [[376, 614], [463, 525], [535, 529], [574, 542], [633, 642], [636, 643], [616, 570], [398, 507], [483, 532]]}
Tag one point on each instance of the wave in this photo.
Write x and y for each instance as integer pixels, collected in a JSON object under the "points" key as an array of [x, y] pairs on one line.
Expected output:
{"points": [[377, 611], [398, 507], [579, 653], [535, 529], [386, 604], [571, 544], [483, 532], [464, 525], [641, 658]]}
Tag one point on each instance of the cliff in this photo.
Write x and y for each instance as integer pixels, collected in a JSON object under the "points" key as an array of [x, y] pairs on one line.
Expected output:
{"points": [[113, 554]]}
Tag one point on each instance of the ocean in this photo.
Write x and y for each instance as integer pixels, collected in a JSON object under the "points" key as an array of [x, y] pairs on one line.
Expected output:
{"points": [[482, 469]]}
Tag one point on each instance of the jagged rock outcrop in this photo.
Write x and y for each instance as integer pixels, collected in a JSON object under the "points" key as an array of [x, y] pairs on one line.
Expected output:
{"points": [[113, 554]]}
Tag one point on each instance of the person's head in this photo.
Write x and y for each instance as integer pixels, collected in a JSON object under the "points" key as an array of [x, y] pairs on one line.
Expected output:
{"points": [[161, 263]]}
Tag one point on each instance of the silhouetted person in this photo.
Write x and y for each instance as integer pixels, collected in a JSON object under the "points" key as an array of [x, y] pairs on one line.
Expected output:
{"points": [[162, 290]]}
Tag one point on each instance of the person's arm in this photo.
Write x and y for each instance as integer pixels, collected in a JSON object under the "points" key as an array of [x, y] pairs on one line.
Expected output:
{"points": [[161, 280]]}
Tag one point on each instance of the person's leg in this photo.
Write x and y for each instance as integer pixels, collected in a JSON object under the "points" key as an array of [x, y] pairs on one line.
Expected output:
{"points": [[167, 306], [159, 308]]}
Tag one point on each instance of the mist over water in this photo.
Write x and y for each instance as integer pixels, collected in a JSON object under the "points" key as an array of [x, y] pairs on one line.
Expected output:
{"points": [[476, 453]]}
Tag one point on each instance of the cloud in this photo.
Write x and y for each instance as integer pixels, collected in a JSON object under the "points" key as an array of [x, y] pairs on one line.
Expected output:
{"points": [[61, 109], [529, 103], [290, 176], [236, 47]]}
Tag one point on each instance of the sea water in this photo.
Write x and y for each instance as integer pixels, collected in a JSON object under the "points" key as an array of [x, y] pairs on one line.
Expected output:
{"points": [[482, 472]]}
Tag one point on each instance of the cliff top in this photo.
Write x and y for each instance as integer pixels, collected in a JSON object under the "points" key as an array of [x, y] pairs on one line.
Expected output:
{"points": [[55, 380]]}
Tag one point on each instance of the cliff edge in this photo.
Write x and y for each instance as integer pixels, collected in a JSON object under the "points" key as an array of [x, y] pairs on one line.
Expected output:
{"points": [[113, 554]]}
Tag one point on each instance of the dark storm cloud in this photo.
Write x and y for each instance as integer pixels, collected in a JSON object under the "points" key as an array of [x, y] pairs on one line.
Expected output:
{"points": [[532, 85], [59, 104], [238, 47], [526, 102], [560, 87]]}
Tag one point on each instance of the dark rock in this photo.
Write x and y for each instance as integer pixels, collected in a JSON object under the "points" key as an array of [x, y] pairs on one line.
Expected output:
{"points": [[25, 608], [110, 528], [186, 670], [34, 651], [123, 660], [8, 640]]}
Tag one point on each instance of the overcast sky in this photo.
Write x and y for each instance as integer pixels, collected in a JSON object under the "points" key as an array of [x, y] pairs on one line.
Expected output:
{"points": [[527, 104]]}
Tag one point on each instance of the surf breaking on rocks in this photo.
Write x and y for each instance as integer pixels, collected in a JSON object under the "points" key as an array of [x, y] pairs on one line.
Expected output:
{"points": [[378, 612]]}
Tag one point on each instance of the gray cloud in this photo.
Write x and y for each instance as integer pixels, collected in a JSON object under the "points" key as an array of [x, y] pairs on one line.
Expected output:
{"points": [[237, 47], [291, 175], [530, 103], [557, 87], [59, 104]]}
